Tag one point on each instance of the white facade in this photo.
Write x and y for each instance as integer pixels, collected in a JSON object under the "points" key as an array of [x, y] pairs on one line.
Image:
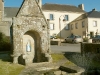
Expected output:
{"points": [[60, 25], [92, 26]]}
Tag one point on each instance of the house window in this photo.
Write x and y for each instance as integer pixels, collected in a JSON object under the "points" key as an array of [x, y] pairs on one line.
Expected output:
{"points": [[76, 25], [66, 17], [94, 23], [72, 27], [67, 27], [83, 24], [51, 17], [51, 26]]}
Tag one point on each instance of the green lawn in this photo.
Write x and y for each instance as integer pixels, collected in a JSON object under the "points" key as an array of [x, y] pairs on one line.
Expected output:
{"points": [[61, 58], [6, 68]]}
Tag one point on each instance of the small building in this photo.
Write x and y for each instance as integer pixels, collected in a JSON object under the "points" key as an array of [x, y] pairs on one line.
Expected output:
{"points": [[29, 33]]}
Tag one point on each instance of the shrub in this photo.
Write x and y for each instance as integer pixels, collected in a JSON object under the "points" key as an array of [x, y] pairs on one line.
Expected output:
{"points": [[5, 44], [85, 39]]}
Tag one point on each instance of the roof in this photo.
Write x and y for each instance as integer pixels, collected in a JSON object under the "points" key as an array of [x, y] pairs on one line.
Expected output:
{"points": [[60, 7], [94, 14], [10, 11], [91, 14]]}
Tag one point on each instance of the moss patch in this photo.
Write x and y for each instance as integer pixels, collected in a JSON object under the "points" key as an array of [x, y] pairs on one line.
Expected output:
{"points": [[61, 58], [57, 57]]}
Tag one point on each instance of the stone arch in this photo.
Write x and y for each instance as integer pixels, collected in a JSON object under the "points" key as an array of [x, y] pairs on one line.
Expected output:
{"points": [[31, 47]]}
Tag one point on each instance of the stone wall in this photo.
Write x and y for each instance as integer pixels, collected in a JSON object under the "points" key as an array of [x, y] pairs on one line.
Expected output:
{"points": [[5, 27], [90, 48], [1, 9]]}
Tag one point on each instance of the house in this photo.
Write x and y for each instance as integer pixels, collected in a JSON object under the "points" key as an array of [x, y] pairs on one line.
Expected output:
{"points": [[60, 16], [86, 25]]}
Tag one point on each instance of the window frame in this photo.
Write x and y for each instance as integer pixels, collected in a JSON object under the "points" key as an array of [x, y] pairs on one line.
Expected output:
{"points": [[51, 16], [67, 27], [66, 17], [83, 24], [52, 27], [95, 22], [76, 25], [72, 27]]}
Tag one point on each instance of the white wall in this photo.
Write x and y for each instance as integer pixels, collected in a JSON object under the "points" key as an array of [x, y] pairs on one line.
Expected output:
{"points": [[57, 15], [91, 28]]}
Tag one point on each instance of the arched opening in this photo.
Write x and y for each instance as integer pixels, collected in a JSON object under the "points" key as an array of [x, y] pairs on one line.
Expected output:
{"points": [[31, 47]]}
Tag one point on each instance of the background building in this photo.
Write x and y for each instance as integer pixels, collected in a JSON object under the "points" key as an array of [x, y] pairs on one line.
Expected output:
{"points": [[60, 16], [86, 25]]}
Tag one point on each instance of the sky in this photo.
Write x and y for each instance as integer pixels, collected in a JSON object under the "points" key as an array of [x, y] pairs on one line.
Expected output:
{"points": [[88, 4]]}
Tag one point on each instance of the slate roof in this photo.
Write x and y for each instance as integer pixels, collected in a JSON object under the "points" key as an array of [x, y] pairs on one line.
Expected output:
{"points": [[91, 14], [94, 14], [10, 11], [60, 7]]}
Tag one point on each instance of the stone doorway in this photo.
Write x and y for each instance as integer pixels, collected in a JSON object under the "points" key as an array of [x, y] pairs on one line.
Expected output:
{"points": [[28, 48], [31, 47]]}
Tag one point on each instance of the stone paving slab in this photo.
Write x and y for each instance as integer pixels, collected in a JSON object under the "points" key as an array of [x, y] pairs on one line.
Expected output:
{"points": [[40, 68]]}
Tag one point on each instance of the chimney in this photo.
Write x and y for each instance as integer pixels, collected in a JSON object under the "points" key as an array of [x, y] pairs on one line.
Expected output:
{"points": [[94, 9], [81, 6], [40, 3]]}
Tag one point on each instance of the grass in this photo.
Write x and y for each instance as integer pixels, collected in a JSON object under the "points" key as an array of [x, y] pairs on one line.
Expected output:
{"points": [[59, 57], [6, 68]]}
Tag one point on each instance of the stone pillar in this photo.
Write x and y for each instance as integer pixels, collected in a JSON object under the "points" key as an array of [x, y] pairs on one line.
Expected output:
{"points": [[15, 60], [40, 3]]}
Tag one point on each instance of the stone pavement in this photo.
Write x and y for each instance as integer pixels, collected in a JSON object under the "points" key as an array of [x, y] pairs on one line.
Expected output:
{"points": [[65, 47], [40, 68]]}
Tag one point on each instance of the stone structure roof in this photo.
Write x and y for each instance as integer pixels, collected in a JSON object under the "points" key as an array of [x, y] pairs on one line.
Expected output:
{"points": [[59, 7], [91, 14]]}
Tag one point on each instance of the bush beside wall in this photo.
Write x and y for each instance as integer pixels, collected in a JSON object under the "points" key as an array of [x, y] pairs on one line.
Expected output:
{"points": [[5, 44]]}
